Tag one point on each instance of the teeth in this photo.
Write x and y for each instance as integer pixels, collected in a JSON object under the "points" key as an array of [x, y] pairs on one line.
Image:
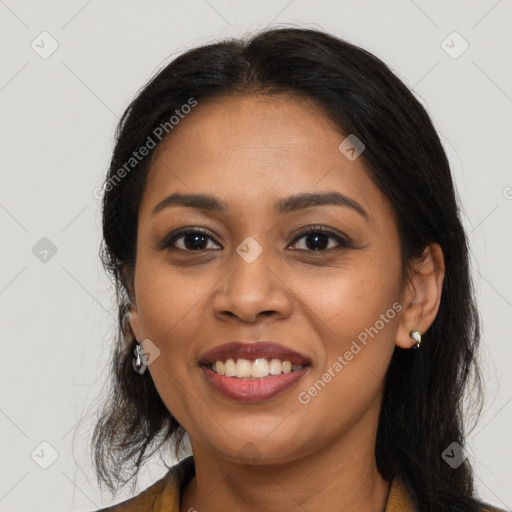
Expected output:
{"points": [[243, 368], [260, 368], [219, 368], [229, 368], [257, 369], [275, 366]]}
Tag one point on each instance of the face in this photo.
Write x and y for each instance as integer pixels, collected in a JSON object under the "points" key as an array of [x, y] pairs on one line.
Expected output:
{"points": [[294, 256]]}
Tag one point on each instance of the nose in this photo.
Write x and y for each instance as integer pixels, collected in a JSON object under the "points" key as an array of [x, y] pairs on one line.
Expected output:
{"points": [[251, 292]]}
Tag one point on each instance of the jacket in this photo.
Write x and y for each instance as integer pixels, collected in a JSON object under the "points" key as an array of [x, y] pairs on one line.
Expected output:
{"points": [[164, 495]]}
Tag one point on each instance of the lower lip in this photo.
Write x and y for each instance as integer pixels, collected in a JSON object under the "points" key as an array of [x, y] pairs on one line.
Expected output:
{"points": [[253, 390]]}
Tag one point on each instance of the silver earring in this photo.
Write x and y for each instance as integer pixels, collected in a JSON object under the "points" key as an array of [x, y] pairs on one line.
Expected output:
{"points": [[139, 361], [416, 336]]}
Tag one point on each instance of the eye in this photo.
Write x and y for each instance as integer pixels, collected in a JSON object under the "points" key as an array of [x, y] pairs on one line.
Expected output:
{"points": [[192, 241], [315, 239], [319, 239]]}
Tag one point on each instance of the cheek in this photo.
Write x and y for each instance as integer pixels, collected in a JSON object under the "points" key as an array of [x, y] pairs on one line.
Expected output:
{"points": [[347, 302], [358, 313], [168, 300], [171, 312]]}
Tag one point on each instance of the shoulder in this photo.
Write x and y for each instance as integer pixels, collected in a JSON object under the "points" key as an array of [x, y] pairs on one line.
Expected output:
{"points": [[145, 501], [400, 500], [488, 508], [163, 495]]}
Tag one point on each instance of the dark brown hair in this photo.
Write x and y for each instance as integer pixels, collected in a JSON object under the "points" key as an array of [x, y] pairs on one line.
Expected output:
{"points": [[421, 412]]}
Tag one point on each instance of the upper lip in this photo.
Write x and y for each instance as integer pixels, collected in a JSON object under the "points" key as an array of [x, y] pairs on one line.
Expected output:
{"points": [[252, 350]]}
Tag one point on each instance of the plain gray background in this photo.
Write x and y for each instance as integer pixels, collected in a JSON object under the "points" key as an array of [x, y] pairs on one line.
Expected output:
{"points": [[58, 115]]}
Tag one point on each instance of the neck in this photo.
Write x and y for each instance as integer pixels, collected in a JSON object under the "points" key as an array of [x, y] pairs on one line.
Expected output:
{"points": [[341, 476]]}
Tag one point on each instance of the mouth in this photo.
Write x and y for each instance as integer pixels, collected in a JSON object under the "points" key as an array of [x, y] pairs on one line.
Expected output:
{"points": [[253, 372]]}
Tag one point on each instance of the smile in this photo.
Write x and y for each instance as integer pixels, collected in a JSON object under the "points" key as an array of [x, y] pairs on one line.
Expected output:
{"points": [[267, 370]]}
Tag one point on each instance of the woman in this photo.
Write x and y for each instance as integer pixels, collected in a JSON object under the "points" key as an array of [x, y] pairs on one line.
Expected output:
{"points": [[293, 284]]}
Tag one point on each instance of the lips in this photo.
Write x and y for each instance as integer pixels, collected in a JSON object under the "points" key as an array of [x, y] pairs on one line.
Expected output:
{"points": [[242, 386]]}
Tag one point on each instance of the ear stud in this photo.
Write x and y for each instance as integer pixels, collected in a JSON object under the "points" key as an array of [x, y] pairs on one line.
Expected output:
{"points": [[416, 336]]}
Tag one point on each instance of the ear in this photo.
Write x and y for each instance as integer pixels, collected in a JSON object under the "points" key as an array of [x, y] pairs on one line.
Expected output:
{"points": [[422, 295], [128, 281], [134, 319]]}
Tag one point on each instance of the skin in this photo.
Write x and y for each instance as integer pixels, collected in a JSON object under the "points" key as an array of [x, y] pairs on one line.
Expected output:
{"points": [[250, 152]]}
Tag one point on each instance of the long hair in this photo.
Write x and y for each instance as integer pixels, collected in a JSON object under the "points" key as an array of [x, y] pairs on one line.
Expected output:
{"points": [[421, 412]]}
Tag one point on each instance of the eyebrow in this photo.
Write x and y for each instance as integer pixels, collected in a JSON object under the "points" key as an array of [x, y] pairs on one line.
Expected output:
{"points": [[282, 206]]}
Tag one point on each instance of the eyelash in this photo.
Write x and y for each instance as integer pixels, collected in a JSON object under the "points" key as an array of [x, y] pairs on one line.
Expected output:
{"points": [[342, 240]]}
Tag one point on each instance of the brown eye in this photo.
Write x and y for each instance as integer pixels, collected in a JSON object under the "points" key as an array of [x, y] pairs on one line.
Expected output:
{"points": [[191, 241], [319, 240]]}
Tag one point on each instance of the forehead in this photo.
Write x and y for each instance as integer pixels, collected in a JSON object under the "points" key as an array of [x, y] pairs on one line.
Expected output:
{"points": [[236, 126], [256, 148]]}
